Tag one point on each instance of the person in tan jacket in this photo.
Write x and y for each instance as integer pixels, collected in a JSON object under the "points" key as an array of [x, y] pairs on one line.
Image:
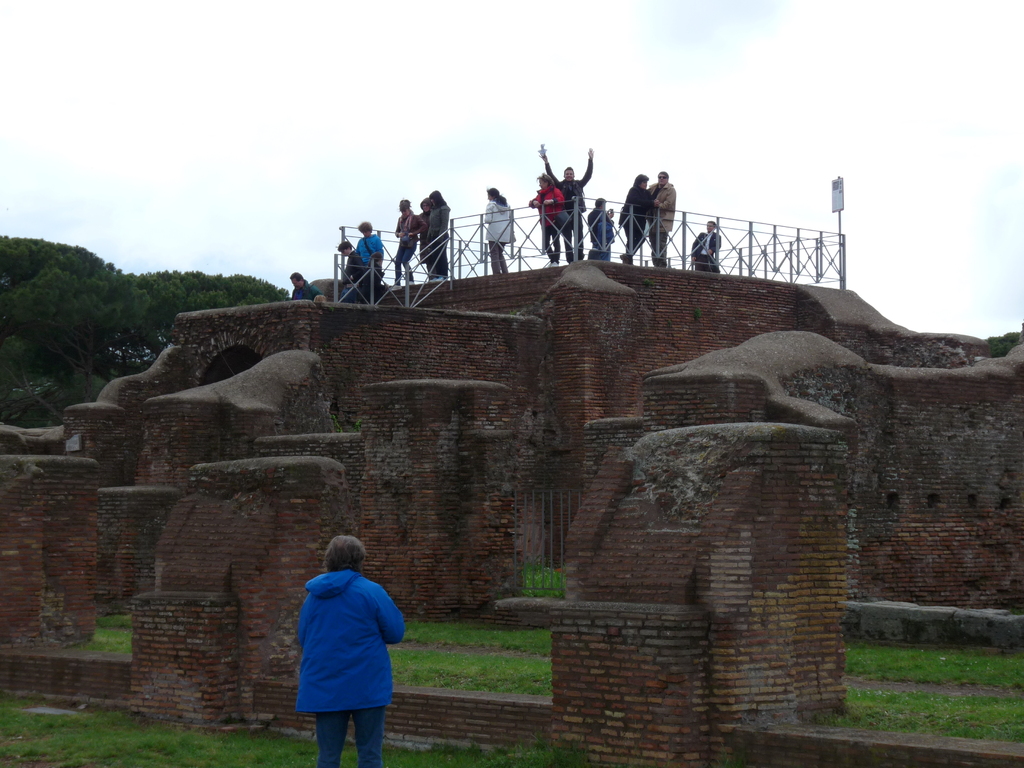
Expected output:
{"points": [[664, 196]]}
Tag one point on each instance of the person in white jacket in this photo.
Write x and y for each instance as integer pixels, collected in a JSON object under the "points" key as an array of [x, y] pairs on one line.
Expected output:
{"points": [[499, 230]]}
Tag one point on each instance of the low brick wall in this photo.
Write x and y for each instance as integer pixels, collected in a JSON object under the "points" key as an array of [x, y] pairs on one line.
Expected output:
{"points": [[796, 746], [425, 716], [88, 675]]}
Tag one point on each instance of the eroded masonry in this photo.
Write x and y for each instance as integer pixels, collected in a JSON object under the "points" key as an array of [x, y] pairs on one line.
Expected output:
{"points": [[751, 454]]}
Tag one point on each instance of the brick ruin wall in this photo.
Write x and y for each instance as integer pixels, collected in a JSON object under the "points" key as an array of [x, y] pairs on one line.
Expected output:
{"points": [[936, 468], [229, 573], [47, 549], [707, 570]]}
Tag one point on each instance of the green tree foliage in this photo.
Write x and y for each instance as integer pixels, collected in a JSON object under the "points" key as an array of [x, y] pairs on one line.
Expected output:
{"points": [[999, 346], [173, 292], [70, 322]]}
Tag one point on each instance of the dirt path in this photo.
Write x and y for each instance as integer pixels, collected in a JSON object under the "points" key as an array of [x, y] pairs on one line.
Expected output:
{"points": [[861, 684]]}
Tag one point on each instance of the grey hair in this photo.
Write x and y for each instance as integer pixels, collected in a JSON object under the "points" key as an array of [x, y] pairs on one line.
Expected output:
{"points": [[344, 553]]}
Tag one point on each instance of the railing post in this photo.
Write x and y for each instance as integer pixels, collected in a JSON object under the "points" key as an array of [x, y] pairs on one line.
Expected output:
{"points": [[750, 248], [818, 246], [337, 255], [842, 262], [451, 254], [775, 250], [484, 250], [686, 236]]}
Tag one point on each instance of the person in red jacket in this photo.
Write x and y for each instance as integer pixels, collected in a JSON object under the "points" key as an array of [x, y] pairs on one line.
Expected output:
{"points": [[551, 203]]}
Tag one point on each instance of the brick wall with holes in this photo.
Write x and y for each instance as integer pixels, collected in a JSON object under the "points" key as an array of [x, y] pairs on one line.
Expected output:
{"points": [[47, 550]]}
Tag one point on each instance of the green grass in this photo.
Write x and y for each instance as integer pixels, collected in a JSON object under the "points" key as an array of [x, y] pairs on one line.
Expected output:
{"points": [[471, 672], [106, 739], [971, 717], [113, 635], [536, 641], [972, 666], [541, 581]]}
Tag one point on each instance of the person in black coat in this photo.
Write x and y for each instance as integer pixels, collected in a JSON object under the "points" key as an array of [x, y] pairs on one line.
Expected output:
{"points": [[704, 255], [635, 216], [575, 204]]}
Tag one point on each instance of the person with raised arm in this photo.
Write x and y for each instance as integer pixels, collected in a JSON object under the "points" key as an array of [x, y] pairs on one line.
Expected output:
{"points": [[575, 204]]}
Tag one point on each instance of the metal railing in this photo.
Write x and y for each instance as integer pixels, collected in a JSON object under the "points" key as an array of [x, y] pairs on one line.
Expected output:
{"points": [[746, 248], [542, 519]]}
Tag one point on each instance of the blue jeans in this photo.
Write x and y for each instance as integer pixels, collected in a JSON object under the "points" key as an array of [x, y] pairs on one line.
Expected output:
{"points": [[403, 257], [332, 728]]}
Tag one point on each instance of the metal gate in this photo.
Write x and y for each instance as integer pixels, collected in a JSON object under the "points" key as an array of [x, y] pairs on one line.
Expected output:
{"points": [[542, 519]]}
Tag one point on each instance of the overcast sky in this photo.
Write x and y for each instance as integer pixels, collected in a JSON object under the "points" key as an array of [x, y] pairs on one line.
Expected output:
{"points": [[236, 137]]}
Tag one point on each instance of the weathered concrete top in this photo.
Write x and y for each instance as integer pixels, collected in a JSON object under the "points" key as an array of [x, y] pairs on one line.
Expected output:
{"points": [[586, 276]]}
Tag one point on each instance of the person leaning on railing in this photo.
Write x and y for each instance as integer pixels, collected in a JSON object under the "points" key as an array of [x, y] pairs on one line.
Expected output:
{"points": [[549, 201], [499, 230], [353, 274], [410, 227], [704, 255], [371, 251], [602, 232]]}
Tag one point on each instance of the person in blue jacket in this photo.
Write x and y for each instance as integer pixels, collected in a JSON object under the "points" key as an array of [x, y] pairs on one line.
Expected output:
{"points": [[344, 628]]}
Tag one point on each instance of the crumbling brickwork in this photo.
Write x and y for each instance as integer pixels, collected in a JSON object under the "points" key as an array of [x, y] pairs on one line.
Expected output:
{"points": [[936, 472], [130, 521], [739, 531], [47, 550], [437, 493], [230, 567]]}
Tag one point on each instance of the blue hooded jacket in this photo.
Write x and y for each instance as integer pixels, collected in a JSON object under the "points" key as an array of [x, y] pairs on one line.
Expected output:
{"points": [[343, 628]]}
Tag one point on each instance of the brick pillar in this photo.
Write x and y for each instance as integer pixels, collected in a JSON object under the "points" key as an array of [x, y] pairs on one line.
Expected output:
{"points": [[47, 549], [437, 519], [738, 526], [629, 682], [184, 656], [231, 564], [130, 522], [103, 429], [594, 324]]}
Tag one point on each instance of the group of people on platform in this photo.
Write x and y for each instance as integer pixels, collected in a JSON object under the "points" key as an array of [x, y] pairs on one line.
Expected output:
{"points": [[648, 213]]}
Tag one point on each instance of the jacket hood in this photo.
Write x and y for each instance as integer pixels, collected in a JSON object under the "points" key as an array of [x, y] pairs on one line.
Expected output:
{"points": [[328, 585]]}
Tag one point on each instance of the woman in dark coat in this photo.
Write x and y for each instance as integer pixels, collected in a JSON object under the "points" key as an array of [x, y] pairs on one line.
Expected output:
{"points": [[635, 216], [437, 237]]}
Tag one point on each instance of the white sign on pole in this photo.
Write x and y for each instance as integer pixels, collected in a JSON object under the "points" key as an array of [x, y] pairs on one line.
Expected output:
{"points": [[837, 194]]}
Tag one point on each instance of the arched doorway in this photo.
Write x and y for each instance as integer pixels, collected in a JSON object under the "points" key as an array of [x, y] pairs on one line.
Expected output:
{"points": [[230, 362]]}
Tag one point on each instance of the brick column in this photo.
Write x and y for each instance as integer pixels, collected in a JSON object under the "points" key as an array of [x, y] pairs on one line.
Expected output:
{"points": [[437, 518], [47, 549]]}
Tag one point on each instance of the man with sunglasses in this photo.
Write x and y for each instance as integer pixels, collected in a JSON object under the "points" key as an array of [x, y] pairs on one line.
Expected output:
{"points": [[664, 196]]}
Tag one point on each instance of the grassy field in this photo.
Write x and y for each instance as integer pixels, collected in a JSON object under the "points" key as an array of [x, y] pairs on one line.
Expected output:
{"points": [[969, 717], [528, 670], [946, 666], [104, 739]]}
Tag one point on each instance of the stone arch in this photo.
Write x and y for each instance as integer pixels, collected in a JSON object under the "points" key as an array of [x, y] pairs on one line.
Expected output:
{"points": [[230, 362]]}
